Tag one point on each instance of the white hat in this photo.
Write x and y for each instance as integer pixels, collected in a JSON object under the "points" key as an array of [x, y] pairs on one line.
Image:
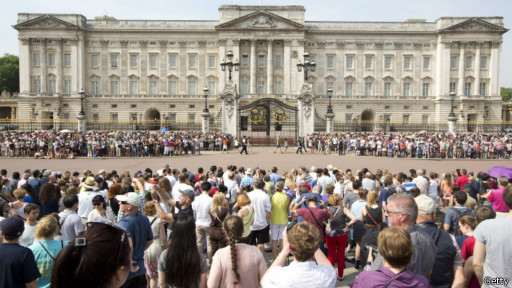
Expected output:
{"points": [[90, 183], [248, 171], [425, 205], [131, 198], [329, 167]]}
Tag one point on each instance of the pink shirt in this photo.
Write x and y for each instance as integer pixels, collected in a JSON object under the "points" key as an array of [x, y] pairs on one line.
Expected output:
{"points": [[249, 258], [496, 197]]}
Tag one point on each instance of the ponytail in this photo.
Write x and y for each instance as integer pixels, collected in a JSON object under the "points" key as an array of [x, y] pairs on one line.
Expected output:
{"points": [[232, 246]]}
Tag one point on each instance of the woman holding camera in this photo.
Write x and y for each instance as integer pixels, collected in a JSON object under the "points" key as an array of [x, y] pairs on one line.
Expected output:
{"points": [[310, 267]]}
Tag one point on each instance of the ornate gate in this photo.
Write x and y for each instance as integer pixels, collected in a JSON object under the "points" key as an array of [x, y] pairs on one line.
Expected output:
{"points": [[265, 118]]}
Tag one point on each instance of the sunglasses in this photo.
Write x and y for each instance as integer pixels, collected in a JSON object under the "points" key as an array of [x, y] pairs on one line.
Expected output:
{"points": [[112, 226]]}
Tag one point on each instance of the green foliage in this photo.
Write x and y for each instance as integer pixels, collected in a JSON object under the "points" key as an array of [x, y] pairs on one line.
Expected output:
{"points": [[9, 73], [506, 94]]}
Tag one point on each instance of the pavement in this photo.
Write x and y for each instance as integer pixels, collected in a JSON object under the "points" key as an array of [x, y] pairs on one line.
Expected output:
{"points": [[262, 157]]}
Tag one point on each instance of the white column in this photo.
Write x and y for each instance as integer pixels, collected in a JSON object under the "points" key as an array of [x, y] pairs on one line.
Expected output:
{"points": [[252, 90], [25, 64], [270, 68], [222, 56], [59, 64], [286, 67], [235, 76], [44, 66], [477, 69], [494, 70], [75, 63], [81, 61], [460, 88]]}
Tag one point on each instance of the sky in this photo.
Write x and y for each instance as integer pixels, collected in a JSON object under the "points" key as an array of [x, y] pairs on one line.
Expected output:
{"points": [[318, 10]]}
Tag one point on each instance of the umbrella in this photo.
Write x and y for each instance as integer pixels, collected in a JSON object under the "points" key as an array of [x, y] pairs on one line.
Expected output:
{"points": [[498, 171]]}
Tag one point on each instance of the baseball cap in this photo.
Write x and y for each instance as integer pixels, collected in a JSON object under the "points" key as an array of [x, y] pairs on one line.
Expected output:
{"points": [[131, 198], [12, 227], [425, 205], [188, 192]]}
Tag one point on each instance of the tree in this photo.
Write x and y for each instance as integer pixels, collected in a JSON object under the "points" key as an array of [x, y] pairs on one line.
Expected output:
{"points": [[506, 93], [9, 73]]}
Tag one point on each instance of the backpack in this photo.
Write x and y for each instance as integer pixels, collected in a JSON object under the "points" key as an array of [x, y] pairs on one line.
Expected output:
{"points": [[466, 212]]}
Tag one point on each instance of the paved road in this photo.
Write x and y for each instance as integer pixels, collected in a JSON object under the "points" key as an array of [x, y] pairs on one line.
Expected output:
{"points": [[262, 157]]}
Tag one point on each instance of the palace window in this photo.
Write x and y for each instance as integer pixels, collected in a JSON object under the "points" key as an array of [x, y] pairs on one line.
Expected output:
{"points": [[67, 60]]}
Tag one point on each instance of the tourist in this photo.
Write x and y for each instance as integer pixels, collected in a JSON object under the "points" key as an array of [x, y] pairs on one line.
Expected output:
{"points": [[181, 265], [310, 267], [239, 265], [152, 253], [100, 257]]}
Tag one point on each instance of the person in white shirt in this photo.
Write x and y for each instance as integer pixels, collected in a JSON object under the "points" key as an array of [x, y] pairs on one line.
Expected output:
{"points": [[310, 267], [260, 202], [201, 207], [85, 197], [31, 213], [339, 185], [421, 182], [325, 180]]}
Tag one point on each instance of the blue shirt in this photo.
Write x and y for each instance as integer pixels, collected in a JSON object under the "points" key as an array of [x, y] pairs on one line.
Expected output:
{"points": [[408, 186], [247, 180], [274, 177], [138, 228], [44, 261]]}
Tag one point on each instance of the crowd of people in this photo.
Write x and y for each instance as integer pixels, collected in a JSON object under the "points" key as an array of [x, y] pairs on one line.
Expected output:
{"points": [[212, 228], [70, 144], [410, 145]]}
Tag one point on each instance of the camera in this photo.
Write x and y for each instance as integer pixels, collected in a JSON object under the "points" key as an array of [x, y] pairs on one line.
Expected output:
{"points": [[374, 251], [290, 225]]}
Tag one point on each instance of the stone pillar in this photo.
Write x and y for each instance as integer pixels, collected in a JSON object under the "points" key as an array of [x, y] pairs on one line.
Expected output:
{"points": [[452, 125], [494, 74], [329, 128], [205, 127], [44, 67], [230, 109], [306, 110], [59, 64], [287, 65], [105, 65], [144, 66], [270, 68], [81, 62], [124, 86], [163, 62], [25, 63], [460, 89], [222, 56], [81, 123], [477, 69], [254, 66]]}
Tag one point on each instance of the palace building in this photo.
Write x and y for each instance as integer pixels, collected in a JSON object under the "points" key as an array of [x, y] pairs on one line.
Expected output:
{"points": [[152, 73]]}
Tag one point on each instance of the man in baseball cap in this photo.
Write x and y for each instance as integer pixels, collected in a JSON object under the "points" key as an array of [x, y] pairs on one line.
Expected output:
{"points": [[18, 267], [448, 262], [187, 196], [138, 229]]}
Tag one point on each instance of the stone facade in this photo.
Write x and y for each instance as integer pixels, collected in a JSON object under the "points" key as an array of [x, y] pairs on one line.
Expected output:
{"points": [[156, 69]]}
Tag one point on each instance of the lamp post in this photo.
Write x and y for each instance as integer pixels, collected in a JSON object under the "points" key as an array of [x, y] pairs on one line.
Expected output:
{"points": [[307, 66], [330, 114], [452, 98], [205, 91], [452, 119], [81, 115], [229, 64]]}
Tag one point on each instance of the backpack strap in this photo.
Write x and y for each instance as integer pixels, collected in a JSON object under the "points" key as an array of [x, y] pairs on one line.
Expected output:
{"points": [[48, 252]]}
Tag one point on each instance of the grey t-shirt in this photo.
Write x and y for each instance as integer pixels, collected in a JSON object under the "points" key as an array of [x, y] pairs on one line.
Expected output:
{"points": [[496, 235], [423, 256], [202, 261]]}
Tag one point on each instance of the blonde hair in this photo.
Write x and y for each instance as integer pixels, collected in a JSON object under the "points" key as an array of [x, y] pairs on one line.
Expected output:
{"points": [[19, 193], [372, 197], [395, 246], [243, 200], [303, 239], [47, 227], [217, 202], [149, 209]]}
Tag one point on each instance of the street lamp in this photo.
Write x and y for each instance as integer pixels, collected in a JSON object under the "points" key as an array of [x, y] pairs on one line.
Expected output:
{"points": [[230, 64], [307, 66], [82, 97], [452, 98], [329, 107], [205, 91]]}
